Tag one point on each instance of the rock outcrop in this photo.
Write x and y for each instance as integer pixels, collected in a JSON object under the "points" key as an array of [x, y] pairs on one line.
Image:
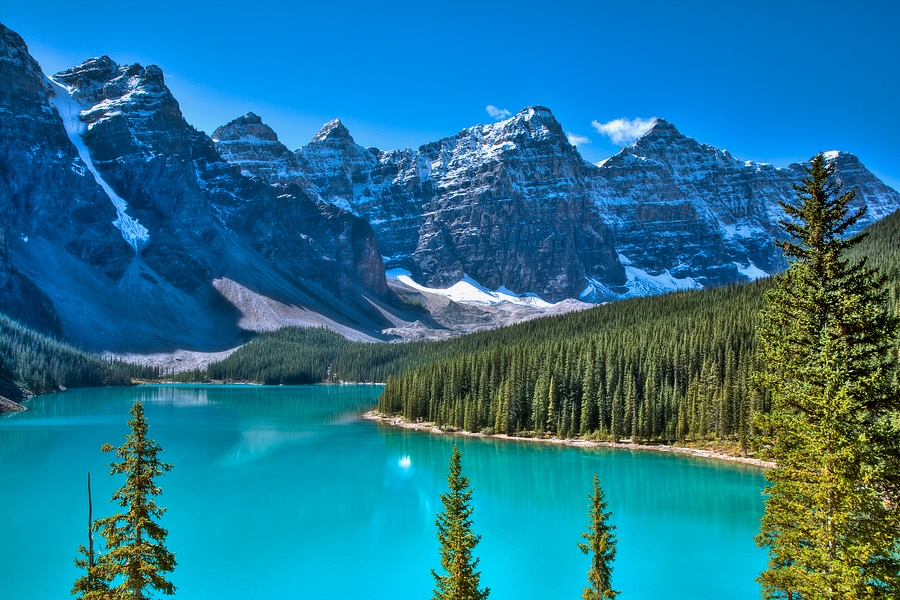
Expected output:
{"points": [[688, 215], [506, 204]]}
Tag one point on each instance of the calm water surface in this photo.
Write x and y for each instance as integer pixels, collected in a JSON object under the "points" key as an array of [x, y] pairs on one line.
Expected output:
{"points": [[285, 492]]}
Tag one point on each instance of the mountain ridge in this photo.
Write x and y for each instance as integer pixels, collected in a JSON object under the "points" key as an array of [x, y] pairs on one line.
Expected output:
{"points": [[138, 233], [668, 212]]}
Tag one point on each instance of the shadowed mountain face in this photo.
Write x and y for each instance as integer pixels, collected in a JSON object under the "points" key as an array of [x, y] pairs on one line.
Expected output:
{"points": [[125, 216], [513, 205]]}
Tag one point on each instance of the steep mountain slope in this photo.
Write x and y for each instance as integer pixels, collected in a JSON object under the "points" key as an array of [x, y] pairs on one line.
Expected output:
{"points": [[124, 229], [129, 221], [513, 206]]}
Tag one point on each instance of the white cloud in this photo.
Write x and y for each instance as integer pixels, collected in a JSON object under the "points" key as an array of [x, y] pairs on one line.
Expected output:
{"points": [[497, 113], [623, 131], [577, 140]]}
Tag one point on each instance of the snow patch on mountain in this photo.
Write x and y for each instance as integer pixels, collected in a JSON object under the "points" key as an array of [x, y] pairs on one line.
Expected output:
{"points": [[469, 291], [642, 283], [639, 283], [70, 111], [751, 271]]}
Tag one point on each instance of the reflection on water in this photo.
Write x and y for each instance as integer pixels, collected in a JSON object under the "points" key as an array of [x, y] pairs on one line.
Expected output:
{"points": [[289, 484]]}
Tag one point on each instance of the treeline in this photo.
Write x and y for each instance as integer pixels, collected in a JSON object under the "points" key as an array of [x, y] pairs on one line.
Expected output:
{"points": [[303, 355], [668, 368], [40, 363]]}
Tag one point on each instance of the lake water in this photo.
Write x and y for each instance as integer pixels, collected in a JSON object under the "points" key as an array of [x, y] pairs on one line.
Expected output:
{"points": [[285, 492]]}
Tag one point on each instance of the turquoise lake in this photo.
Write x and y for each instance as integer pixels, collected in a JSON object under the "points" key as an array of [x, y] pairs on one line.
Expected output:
{"points": [[285, 492]]}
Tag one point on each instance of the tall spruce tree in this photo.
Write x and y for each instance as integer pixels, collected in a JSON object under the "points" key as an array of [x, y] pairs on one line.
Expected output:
{"points": [[136, 554], [457, 540], [600, 545], [831, 519]]}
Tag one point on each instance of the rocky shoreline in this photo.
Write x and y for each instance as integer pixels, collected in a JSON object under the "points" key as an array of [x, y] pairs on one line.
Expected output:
{"points": [[7, 405], [395, 421]]}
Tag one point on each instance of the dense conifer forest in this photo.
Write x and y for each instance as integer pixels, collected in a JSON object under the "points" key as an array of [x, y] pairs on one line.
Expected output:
{"points": [[40, 363]]}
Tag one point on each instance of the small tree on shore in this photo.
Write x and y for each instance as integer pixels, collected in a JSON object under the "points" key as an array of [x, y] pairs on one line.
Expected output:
{"points": [[600, 545], [92, 585], [457, 540], [135, 543]]}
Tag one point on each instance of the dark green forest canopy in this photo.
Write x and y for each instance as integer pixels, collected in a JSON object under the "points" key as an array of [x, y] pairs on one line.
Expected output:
{"points": [[41, 363]]}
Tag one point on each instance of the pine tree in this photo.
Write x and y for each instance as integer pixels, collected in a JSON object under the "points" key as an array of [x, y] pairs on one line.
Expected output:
{"points": [[831, 520], [457, 540], [600, 544], [135, 543]]}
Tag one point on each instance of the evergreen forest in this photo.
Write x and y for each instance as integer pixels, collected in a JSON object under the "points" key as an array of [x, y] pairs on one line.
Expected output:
{"points": [[41, 363]]}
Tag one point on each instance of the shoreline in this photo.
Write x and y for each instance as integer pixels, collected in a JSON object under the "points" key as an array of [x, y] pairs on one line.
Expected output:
{"points": [[430, 428], [8, 406]]}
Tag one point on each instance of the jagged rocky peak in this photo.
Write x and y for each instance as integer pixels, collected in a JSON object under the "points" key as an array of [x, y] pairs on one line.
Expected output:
{"points": [[88, 78], [248, 127], [128, 110], [22, 83], [250, 144], [14, 54], [661, 134], [333, 131], [101, 78], [532, 122], [662, 128]]}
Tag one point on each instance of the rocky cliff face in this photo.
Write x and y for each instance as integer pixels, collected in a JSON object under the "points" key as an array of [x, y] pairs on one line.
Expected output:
{"points": [[688, 215], [506, 204], [512, 204], [124, 215]]}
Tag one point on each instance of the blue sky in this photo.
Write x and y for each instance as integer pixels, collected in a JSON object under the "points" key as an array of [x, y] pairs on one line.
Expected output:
{"points": [[772, 81]]}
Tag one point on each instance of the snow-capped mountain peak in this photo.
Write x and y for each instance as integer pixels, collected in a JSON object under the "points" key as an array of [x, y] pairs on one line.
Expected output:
{"points": [[333, 131], [246, 128]]}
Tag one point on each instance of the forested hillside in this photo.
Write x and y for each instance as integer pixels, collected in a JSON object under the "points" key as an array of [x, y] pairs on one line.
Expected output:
{"points": [[666, 368], [672, 368], [661, 368], [40, 363]]}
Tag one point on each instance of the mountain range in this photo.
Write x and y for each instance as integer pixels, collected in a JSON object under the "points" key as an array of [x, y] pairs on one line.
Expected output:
{"points": [[125, 229]]}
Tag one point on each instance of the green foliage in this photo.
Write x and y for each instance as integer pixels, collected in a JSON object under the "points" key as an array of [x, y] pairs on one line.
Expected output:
{"points": [[457, 540], [600, 545], [41, 363], [831, 523], [666, 368], [136, 554], [93, 585]]}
